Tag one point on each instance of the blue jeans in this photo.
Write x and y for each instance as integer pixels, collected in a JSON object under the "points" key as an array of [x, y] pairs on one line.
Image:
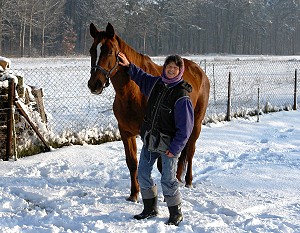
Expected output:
{"points": [[169, 182]]}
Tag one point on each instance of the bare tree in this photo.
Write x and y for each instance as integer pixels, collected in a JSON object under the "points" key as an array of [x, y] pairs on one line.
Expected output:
{"points": [[77, 11], [31, 27], [49, 18], [6, 22], [2, 16], [33, 11]]}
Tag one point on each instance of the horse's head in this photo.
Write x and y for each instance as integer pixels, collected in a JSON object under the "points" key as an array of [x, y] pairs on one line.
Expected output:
{"points": [[104, 58]]}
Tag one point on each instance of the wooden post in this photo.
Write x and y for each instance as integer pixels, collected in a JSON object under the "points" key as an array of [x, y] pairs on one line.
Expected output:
{"points": [[295, 91], [229, 98], [11, 92], [38, 95], [35, 129], [14, 136]]}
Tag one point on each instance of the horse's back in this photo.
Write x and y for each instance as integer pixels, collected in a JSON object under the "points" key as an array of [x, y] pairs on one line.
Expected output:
{"points": [[195, 76], [150, 67]]}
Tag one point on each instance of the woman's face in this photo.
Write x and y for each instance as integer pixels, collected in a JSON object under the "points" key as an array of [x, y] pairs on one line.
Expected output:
{"points": [[172, 70]]}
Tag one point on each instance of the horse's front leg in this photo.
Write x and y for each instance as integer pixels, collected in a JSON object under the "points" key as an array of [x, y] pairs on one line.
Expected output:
{"points": [[132, 163]]}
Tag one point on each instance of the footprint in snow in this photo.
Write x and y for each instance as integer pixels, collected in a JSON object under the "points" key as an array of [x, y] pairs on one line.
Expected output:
{"points": [[264, 140]]}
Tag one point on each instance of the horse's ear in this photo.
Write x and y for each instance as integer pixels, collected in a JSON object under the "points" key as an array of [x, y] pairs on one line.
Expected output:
{"points": [[93, 30], [110, 31]]}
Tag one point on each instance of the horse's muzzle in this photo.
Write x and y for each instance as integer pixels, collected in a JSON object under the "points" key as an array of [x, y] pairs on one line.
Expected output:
{"points": [[96, 87]]}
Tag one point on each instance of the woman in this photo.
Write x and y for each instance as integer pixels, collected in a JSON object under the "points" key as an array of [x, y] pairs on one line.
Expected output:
{"points": [[166, 128]]}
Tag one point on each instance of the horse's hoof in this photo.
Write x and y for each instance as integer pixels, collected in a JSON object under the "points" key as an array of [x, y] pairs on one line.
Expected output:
{"points": [[132, 199], [189, 186]]}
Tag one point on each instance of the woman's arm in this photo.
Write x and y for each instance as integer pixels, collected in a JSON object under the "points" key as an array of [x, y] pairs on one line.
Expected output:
{"points": [[144, 80]]}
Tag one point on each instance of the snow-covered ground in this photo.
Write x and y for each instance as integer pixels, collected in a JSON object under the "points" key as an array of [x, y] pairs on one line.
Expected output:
{"points": [[246, 179]]}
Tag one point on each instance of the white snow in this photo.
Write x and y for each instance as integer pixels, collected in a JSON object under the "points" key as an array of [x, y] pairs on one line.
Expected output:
{"points": [[246, 179], [6, 60]]}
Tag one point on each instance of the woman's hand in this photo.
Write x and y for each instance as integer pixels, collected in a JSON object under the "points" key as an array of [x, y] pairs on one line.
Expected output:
{"points": [[169, 154], [123, 60]]}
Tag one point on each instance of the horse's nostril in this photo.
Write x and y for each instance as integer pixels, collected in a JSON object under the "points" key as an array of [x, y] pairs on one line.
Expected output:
{"points": [[99, 85], [95, 85]]}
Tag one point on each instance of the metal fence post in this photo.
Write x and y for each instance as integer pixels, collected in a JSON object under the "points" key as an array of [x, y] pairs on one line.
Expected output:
{"points": [[258, 104], [214, 82], [295, 91], [229, 98]]}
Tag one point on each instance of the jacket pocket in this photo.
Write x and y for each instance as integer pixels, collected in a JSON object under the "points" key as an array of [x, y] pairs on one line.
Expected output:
{"points": [[164, 142], [165, 109], [159, 143]]}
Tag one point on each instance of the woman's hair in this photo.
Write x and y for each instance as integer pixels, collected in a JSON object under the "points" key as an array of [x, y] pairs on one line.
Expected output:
{"points": [[176, 59]]}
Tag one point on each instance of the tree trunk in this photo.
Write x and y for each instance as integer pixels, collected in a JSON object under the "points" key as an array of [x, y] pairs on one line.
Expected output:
{"points": [[1, 29], [23, 38]]}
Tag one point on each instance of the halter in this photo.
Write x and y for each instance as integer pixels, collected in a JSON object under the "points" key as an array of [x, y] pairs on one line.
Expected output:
{"points": [[105, 72]]}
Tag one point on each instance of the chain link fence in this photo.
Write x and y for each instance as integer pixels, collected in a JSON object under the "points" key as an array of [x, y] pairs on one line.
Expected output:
{"points": [[268, 85], [69, 105], [72, 109]]}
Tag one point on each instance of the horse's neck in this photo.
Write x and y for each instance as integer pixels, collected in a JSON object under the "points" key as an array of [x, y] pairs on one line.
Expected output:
{"points": [[138, 59], [123, 85]]}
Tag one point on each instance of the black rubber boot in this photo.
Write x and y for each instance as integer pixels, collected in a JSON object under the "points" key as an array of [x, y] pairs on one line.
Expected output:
{"points": [[175, 215], [150, 209]]}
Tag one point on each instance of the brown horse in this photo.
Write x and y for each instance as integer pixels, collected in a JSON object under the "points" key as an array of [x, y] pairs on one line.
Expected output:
{"points": [[129, 104]]}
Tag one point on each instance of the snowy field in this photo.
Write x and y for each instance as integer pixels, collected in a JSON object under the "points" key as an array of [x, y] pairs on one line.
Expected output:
{"points": [[246, 179], [19, 63], [72, 108]]}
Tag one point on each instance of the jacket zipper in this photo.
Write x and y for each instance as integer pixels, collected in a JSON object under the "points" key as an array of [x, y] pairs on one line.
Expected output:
{"points": [[157, 104]]}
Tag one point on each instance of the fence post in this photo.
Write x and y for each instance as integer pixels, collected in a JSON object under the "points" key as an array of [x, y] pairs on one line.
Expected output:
{"points": [[35, 129], [14, 134], [11, 91], [229, 98], [295, 91], [214, 80], [258, 104]]}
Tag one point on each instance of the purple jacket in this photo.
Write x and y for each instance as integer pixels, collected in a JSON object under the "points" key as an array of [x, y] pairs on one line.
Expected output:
{"points": [[183, 109]]}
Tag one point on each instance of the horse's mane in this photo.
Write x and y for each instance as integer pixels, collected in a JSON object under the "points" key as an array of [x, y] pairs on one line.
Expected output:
{"points": [[141, 60]]}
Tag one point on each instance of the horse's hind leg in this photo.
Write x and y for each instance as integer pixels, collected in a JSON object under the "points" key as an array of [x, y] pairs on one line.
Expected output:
{"points": [[186, 158], [181, 167], [132, 163]]}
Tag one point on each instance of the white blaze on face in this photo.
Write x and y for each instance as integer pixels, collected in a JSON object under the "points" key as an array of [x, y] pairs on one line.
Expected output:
{"points": [[98, 53]]}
